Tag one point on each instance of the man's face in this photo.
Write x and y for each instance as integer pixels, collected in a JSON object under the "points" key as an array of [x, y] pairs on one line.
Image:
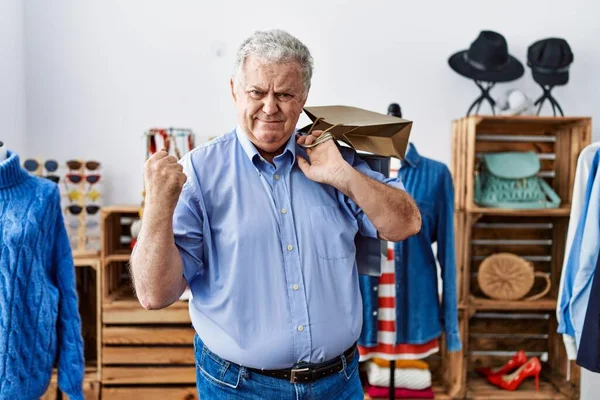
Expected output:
{"points": [[269, 98]]}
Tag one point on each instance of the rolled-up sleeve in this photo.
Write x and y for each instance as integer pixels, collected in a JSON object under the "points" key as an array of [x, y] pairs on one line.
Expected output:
{"points": [[188, 221], [365, 226]]}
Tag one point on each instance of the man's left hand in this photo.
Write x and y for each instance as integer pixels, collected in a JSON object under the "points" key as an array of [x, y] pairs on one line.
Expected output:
{"points": [[326, 162]]}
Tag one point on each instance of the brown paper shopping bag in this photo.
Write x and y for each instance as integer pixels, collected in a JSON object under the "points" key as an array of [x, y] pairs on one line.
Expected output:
{"points": [[364, 130]]}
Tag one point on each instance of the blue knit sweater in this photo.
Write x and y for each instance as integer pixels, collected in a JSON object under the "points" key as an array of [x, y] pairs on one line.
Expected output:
{"points": [[39, 317]]}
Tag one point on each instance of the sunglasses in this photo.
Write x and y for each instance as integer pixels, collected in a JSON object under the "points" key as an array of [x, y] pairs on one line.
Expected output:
{"points": [[34, 166], [77, 178], [75, 209], [76, 164], [75, 195], [75, 224]]}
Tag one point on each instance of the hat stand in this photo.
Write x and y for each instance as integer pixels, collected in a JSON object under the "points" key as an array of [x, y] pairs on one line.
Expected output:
{"points": [[548, 96], [485, 88]]}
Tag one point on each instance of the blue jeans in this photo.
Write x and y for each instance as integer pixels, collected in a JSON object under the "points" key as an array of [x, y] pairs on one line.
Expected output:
{"points": [[220, 379]]}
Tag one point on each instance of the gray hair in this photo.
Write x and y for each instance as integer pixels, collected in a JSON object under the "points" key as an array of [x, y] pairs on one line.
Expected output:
{"points": [[278, 46]]}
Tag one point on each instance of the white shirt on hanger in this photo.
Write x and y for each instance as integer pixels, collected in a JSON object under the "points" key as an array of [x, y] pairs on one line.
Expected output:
{"points": [[582, 173]]}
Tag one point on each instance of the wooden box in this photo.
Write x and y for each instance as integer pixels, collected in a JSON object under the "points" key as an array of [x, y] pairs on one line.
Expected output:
{"points": [[88, 275], [556, 140], [497, 329], [144, 352], [494, 337]]}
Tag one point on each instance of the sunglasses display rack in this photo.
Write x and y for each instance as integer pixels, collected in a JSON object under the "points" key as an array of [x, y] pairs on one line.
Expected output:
{"points": [[82, 209]]}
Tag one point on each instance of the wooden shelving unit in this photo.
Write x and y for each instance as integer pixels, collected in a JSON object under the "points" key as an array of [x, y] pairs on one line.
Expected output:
{"points": [[145, 354], [88, 272], [497, 329]]}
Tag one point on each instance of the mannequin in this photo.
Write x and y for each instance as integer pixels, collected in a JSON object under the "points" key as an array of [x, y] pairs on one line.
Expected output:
{"points": [[3, 152]]}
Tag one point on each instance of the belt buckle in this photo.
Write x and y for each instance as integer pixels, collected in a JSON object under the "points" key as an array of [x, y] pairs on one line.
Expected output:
{"points": [[297, 370]]}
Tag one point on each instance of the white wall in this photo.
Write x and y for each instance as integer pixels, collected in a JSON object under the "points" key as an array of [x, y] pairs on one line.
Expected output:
{"points": [[12, 75], [100, 73]]}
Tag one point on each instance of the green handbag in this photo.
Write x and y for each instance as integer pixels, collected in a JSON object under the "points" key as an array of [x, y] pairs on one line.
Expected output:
{"points": [[509, 180]]}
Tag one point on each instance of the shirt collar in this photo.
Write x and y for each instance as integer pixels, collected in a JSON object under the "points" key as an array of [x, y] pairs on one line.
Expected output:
{"points": [[412, 157], [253, 153]]}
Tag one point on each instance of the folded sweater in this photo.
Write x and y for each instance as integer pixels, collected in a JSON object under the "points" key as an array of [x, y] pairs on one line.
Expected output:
{"points": [[408, 378]]}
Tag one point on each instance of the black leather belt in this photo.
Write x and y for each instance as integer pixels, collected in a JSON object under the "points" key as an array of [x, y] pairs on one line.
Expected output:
{"points": [[310, 372]]}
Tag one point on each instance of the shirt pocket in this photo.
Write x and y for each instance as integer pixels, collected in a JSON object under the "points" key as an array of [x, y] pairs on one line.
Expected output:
{"points": [[333, 233]]}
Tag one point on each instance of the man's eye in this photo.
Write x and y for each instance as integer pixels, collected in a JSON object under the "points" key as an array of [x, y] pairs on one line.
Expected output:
{"points": [[284, 95], [255, 92]]}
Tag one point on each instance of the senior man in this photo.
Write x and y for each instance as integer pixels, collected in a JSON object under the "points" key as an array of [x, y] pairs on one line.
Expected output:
{"points": [[261, 226]]}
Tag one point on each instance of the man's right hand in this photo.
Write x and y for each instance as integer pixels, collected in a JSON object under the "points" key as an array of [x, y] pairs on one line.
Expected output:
{"points": [[163, 181]]}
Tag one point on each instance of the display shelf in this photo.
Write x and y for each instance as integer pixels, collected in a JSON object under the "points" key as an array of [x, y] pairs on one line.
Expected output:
{"points": [[122, 307], [439, 392], [91, 386], [479, 389], [481, 304], [121, 209], [556, 141], [149, 375], [497, 329], [563, 211], [123, 256], [85, 254]]}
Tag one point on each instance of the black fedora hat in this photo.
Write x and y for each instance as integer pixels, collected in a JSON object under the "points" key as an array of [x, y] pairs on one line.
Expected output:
{"points": [[549, 60], [487, 60]]}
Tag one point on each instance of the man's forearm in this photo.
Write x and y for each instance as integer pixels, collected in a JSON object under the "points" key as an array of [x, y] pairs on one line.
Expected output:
{"points": [[392, 211], [156, 265]]}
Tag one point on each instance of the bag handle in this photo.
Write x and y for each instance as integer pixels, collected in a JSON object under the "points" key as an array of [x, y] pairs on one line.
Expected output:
{"points": [[546, 289], [554, 200]]}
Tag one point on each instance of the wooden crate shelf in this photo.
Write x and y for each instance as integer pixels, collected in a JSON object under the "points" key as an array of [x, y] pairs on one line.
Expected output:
{"points": [[91, 387], [479, 389], [145, 375], [557, 141], [145, 353], [119, 257], [563, 211], [89, 279], [481, 304], [439, 392], [497, 329]]}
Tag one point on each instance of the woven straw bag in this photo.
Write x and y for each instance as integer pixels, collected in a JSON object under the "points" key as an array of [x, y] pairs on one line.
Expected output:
{"points": [[506, 276]]}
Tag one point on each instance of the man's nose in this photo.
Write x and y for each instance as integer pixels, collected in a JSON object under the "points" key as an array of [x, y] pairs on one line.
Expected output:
{"points": [[270, 106]]}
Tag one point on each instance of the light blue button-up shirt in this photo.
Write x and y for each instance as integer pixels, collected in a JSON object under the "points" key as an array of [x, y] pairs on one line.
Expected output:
{"points": [[269, 255]]}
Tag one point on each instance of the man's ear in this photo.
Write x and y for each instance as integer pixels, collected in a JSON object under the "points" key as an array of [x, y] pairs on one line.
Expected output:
{"points": [[304, 100], [232, 89]]}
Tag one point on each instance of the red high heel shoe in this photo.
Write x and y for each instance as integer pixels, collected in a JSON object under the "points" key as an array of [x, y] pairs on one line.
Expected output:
{"points": [[514, 380], [518, 359]]}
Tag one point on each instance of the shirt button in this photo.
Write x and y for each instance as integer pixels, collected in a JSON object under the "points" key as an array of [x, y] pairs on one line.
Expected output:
{"points": [[296, 287], [283, 211], [290, 247], [276, 177], [300, 328]]}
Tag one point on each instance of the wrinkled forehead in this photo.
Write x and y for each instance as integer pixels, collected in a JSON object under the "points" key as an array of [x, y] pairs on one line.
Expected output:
{"points": [[271, 74]]}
